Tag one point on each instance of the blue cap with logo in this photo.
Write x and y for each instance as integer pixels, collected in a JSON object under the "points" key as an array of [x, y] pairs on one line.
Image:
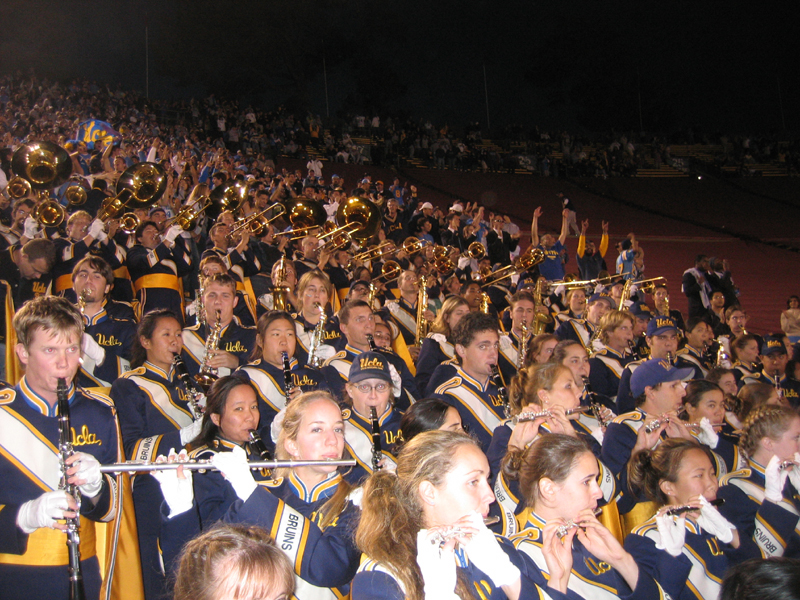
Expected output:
{"points": [[369, 365], [603, 296], [772, 344], [640, 310], [659, 325], [654, 371]]}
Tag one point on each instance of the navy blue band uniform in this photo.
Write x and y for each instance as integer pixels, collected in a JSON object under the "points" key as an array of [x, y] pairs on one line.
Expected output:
{"points": [[434, 351], [35, 565], [156, 276], [116, 337], [304, 330], [234, 339], [358, 440], [605, 371]]}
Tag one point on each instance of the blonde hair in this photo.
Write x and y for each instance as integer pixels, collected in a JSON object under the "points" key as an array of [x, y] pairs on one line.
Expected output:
{"points": [[440, 324], [391, 511], [233, 561], [53, 314], [290, 427], [308, 277], [612, 320], [525, 385], [764, 421]]}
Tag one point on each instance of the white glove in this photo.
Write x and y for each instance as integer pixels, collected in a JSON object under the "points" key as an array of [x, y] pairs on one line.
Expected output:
{"points": [[92, 349], [463, 262], [397, 383], [714, 523], [233, 465], [794, 473], [96, 228], [438, 568], [178, 493], [775, 479], [31, 228], [673, 533], [190, 432], [560, 289], [707, 434], [173, 233], [277, 423], [44, 511], [89, 469], [484, 550]]}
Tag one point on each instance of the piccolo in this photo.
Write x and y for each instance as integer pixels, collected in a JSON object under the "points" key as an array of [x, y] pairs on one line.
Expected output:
{"points": [[532, 416], [688, 507], [787, 464], [205, 465], [570, 524], [445, 535]]}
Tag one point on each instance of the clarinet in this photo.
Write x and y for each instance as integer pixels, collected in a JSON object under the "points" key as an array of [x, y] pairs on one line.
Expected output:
{"points": [[196, 396], [256, 445], [594, 406], [65, 450], [288, 382], [497, 378], [377, 451], [373, 347]]}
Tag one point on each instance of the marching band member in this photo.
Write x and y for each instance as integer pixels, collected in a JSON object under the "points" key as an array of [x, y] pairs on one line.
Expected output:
{"points": [[107, 340], [156, 267], [155, 414], [558, 475], [576, 305], [440, 484], [658, 388], [759, 500], [357, 323], [699, 336], [212, 265], [661, 304], [33, 549], [609, 360], [437, 347], [573, 355], [643, 314], [704, 409], [745, 353], [371, 384], [236, 342], [313, 293], [522, 307], [688, 553], [662, 337], [426, 415], [774, 359], [471, 389], [275, 335], [404, 310], [582, 330]]}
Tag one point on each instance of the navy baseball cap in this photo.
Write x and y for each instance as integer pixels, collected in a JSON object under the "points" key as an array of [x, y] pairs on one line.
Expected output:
{"points": [[654, 371], [659, 325], [772, 344], [358, 282], [603, 296], [369, 365], [640, 310]]}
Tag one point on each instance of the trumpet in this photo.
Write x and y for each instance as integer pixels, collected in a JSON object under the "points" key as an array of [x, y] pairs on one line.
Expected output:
{"points": [[677, 510], [135, 466]]}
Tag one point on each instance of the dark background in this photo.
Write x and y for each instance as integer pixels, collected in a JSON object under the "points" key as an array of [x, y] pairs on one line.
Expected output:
{"points": [[581, 65]]}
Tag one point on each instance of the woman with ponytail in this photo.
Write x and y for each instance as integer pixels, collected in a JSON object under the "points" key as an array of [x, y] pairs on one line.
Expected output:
{"points": [[422, 533], [688, 552], [558, 477], [763, 499]]}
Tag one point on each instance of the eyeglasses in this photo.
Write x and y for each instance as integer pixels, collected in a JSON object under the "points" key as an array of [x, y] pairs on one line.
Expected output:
{"points": [[366, 389]]}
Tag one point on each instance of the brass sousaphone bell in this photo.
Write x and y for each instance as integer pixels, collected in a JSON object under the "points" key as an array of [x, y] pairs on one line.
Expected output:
{"points": [[39, 167], [139, 186]]}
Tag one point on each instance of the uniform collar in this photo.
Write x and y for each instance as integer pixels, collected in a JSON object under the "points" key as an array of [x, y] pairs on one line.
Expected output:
{"points": [[757, 468], [353, 350], [98, 318], [773, 379], [366, 418], [39, 404], [482, 387], [323, 489], [159, 371]]}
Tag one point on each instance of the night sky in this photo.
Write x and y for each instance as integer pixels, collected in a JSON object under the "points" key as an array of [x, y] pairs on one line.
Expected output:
{"points": [[585, 66]]}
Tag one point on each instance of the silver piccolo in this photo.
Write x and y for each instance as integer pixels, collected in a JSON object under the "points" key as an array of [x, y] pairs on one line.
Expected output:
{"points": [[570, 524], [532, 416], [205, 465], [688, 507]]}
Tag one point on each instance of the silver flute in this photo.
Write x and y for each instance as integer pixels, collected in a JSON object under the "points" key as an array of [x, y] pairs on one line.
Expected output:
{"points": [[133, 466], [787, 464], [688, 507], [445, 535], [532, 416], [570, 524]]}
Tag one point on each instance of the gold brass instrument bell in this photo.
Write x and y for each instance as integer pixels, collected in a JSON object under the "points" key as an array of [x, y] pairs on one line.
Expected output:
{"points": [[258, 223], [443, 263], [523, 262], [304, 216], [40, 167], [196, 204], [357, 219], [139, 186]]}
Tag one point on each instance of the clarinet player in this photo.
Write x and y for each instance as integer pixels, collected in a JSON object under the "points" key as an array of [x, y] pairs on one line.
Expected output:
{"points": [[33, 544]]}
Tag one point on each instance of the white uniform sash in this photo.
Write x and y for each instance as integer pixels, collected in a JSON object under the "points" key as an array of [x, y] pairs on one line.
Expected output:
{"points": [[769, 541], [303, 336], [267, 388], [37, 457], [159, 395], [508, 350], [508, 503], [612, 364], [476, 406], [359, 441], [196, 346], [341, 365], [399, 313]]}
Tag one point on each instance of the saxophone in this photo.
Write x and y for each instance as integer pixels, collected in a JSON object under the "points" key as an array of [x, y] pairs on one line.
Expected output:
{"points": [[377, 451], [595, 336], [208, 375], [199, 304], [65, 450], [485, 303], [83, 299], [422, 306], [314, 360], [280, 293], [523, 346], [196, 397]]}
